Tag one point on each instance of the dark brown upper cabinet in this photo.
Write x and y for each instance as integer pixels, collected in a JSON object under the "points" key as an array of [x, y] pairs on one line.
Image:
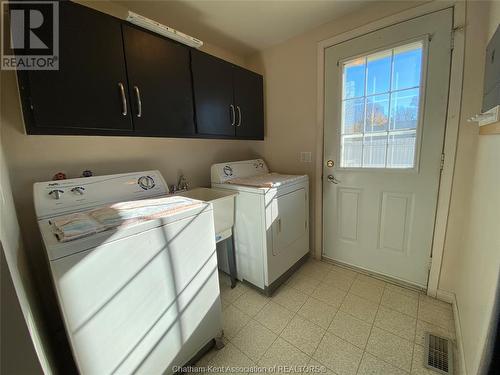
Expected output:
{"points": [[228, 99], [160, 84], [213, 95], [89, 92], [248, 99], [115, 78]]}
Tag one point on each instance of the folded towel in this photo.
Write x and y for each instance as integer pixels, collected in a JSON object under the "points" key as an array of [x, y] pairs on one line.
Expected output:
{"points": [[74, 226], [126, 213], [82, 224]]}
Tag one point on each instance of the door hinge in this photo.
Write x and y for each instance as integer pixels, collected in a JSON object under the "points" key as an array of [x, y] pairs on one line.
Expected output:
{"points": [[453, 32], [441, 166], [430, 263], [306, 224]]}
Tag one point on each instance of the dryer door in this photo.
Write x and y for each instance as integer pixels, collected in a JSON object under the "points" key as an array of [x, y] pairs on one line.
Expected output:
{"points": [[290, 223]]}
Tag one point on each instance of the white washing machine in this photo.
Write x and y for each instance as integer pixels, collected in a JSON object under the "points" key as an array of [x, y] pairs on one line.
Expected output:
{"points": [[135, 271], [271, 220]]}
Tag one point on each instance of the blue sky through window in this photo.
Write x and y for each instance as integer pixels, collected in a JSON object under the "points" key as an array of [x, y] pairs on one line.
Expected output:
{"points": [[378, 73], [354, 81], [407, 66]]}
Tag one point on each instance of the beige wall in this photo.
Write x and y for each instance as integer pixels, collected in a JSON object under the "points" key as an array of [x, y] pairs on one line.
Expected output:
{"points": [[21, 315], [471, 260], [290, 81], [17, 352], [38, 158]]}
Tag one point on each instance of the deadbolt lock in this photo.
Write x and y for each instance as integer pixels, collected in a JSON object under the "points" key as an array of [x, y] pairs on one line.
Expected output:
{"points": [[330, 163]]}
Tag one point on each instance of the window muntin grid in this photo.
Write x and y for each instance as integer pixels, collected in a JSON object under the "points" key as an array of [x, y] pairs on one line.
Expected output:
{"points": [[380, 108]]}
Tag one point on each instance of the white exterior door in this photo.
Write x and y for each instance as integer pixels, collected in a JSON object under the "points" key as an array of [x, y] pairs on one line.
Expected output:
{"points": [[386, 97]]}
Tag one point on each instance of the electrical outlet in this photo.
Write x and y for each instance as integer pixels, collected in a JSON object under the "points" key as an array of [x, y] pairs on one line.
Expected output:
{"points": [[305, 157]]}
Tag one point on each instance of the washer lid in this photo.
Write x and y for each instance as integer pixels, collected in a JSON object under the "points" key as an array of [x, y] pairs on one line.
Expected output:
{"points": [[57, 249]]}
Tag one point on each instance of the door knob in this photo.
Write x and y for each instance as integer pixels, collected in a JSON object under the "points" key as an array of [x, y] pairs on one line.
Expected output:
{"points": [[332, 179]]}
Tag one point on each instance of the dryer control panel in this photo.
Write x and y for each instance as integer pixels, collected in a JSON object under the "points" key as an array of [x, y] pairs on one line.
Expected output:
{"points": [[223, 172], [55, 198]]}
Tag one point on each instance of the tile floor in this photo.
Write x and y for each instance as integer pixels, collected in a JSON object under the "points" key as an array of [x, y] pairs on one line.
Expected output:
{"points": [[329, 316]]}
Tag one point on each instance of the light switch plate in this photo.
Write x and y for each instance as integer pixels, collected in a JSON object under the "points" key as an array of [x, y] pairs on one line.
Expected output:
{"points": [[305, 157]]}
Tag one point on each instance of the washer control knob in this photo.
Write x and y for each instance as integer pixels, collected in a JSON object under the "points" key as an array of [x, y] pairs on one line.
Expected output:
{"points": [[146, 182], [56, 193], [228, 171], [78, 190]]}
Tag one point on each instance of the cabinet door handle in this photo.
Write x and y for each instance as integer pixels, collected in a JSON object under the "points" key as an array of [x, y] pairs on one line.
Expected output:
{"points": [[233, 115], [139, 101], [239, 115], [124, 99]]}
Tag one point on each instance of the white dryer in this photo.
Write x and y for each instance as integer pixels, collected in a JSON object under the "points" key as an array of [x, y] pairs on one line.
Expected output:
{"points": [[271, 220], [135, 271]]}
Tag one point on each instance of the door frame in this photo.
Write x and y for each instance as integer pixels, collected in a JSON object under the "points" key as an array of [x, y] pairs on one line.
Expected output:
{"points": [[451, 127]]}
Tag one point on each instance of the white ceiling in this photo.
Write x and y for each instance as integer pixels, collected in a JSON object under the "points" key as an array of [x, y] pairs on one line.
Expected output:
{"points": [[243, 26]]}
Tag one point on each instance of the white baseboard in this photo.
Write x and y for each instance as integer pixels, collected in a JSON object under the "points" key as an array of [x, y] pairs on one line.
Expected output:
{"points": [[450, 297], [445, 296]]}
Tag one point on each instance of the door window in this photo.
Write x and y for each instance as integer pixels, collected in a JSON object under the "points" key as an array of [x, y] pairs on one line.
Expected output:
{"points": [[380, 108]]}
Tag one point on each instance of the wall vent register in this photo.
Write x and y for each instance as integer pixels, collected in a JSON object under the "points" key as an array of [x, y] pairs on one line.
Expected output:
{"points": [[438, 354]]}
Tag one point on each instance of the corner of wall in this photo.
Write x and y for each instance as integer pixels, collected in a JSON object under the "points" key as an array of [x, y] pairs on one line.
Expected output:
{"points": [[31, 339], [451, 298]]}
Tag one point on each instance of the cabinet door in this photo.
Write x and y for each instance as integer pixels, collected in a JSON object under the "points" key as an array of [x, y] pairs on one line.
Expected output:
{"points": [[248, 98], [160, 84], [88, 94], [213, 95]]}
